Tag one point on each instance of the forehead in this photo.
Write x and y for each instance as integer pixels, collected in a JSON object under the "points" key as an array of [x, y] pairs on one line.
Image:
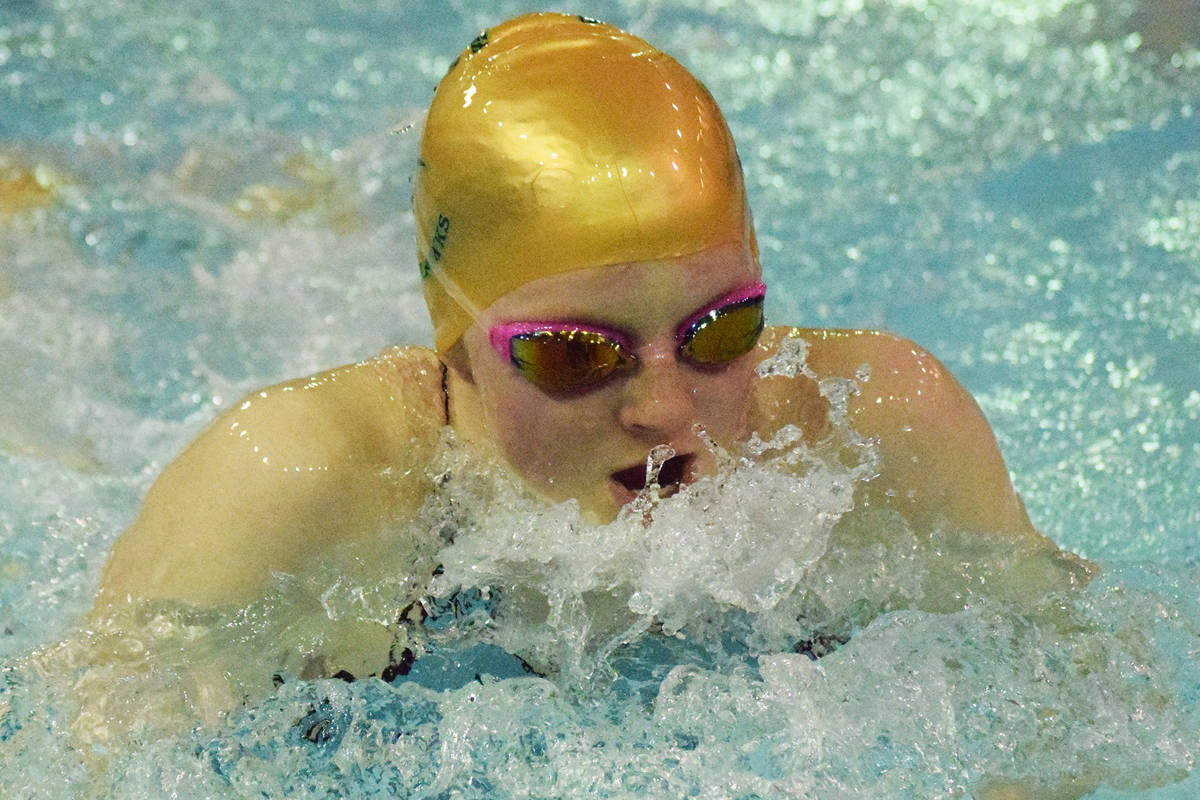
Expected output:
{"points": [[642, 293]]}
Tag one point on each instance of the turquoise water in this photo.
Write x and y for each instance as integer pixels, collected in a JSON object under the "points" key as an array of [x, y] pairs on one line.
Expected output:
{"points": [[214, 197]]}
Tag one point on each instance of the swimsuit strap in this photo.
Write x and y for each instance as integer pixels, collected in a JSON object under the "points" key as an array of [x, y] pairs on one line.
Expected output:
{"points": [[445, 395]]}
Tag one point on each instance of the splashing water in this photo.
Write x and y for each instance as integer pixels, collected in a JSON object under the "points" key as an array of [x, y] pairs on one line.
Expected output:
{"points": [[194, 204], [743, 632]]}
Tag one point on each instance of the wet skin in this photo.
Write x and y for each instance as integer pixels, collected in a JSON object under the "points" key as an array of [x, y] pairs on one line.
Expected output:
{"points": [[325, 472], [323, 464]]}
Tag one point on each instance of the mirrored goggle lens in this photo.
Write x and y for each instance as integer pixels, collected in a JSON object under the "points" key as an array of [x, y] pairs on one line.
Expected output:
{"points": [[567, 361], [725, 334]]}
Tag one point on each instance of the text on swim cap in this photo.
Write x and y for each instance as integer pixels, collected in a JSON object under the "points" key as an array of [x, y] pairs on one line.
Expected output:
{"points": [[440, 230]]}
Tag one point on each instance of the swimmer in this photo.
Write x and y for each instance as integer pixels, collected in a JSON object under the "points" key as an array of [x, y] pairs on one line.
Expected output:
{"points": [[590, 267]]}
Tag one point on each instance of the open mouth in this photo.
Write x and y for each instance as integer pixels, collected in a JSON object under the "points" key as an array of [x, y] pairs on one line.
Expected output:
{"points": [[673, 473]]}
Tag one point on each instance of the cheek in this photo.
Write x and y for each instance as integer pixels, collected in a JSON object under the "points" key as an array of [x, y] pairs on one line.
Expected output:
{"points": [[723, 401], [545, 439]]}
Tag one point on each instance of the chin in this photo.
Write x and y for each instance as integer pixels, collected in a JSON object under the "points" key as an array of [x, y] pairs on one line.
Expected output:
{"points": [[601, 511]]}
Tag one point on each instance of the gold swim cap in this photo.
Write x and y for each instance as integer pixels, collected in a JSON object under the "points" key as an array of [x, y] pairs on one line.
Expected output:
{"points": [[557, 143]]}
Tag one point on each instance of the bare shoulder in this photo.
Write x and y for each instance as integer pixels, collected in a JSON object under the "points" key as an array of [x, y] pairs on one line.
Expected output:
{"points": [[280, 476], [903, 388], [941, 462], [898, 381]]}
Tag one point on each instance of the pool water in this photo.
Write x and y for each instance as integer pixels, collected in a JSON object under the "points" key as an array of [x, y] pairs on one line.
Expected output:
{"points": [[202, 199]]}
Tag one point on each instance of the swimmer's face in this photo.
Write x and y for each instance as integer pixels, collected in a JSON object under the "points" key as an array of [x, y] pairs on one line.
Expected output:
{"points": [[592, 445]]}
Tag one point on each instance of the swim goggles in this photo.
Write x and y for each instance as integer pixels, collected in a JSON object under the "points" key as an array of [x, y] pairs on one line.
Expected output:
{"points": [[570, 358]]}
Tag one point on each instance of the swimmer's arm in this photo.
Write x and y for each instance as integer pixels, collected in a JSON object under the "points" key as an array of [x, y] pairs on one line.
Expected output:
{"points": [[940, 460], [940, 464], [280, 478]]}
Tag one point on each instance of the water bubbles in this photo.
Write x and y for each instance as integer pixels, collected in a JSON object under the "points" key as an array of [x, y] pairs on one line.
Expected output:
{"points": [[789, 359], [795, 652]]}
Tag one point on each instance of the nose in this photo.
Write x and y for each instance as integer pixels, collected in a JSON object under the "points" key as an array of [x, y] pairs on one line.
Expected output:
{"points": [[658, 402]]}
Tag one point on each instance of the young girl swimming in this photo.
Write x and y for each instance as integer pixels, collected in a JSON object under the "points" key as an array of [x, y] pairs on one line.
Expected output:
{"points": [[591, 270]]}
